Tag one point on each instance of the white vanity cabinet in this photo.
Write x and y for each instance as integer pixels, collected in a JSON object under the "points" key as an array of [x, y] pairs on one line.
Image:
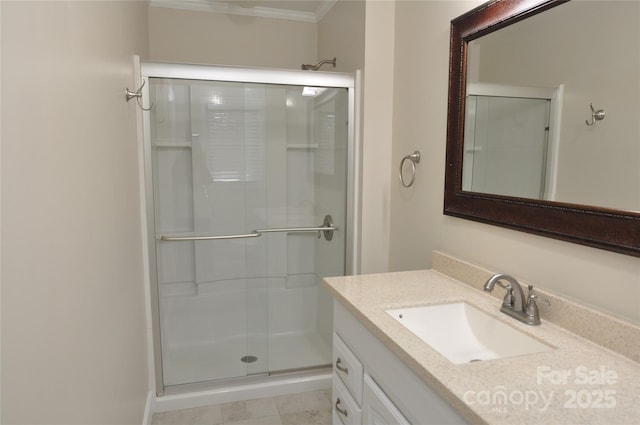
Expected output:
{"points": [[347, 384], [377, 409], [372, 386]]}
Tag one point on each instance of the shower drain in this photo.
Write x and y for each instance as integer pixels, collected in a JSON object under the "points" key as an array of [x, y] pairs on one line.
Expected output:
{"points": [[248, 359]]}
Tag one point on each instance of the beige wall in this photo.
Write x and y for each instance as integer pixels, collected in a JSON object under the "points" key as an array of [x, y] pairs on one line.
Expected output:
{"points": [[215, 38], [0, 219], [377, 178], [341, 35], [596, 277], [73, 311]]}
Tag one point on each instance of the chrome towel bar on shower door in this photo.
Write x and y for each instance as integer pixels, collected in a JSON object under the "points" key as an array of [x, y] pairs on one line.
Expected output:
{"points": [[327, 228]]}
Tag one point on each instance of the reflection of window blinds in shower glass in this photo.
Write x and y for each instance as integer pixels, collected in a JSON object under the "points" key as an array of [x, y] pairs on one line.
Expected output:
{"points": [[235, 143], [325, 137]]}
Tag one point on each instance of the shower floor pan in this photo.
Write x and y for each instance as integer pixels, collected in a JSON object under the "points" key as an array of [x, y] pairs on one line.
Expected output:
{"points": [[199, 363]]}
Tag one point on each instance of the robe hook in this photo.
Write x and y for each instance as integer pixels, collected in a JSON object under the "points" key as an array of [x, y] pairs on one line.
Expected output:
{"points": [[595, 115], [128, 94]]}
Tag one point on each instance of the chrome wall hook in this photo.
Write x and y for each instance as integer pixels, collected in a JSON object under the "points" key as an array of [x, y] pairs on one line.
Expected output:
{"points": [[415, 159], [595, 115], [128, 94]]}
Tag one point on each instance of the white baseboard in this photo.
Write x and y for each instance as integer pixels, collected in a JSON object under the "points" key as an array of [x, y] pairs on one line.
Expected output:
{"points": [[149, 408]]}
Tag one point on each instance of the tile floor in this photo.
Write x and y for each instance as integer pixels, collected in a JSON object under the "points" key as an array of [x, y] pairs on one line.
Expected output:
{"points": [[308, 408]]}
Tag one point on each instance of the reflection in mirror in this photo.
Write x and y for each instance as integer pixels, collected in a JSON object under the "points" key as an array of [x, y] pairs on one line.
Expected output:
{"points": [[525, 150], [529, 87], [509, 145]]}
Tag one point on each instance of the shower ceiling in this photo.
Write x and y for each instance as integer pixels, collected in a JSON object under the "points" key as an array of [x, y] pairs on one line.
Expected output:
{"points": [[295, 10]]}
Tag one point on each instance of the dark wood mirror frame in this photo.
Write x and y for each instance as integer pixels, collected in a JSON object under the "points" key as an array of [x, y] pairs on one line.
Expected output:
{"points": [[604, 228]]}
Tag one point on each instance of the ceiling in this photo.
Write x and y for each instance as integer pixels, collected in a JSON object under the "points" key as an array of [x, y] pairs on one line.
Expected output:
{"points": [[295, 10]]}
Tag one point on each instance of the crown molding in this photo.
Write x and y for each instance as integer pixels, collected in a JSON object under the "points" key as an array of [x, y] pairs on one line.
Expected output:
{"points": [[258, 11], [324, 8]]}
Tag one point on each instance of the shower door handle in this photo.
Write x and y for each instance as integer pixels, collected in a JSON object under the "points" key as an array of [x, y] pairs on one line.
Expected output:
{"points": [[209, 238], [327, 228]]}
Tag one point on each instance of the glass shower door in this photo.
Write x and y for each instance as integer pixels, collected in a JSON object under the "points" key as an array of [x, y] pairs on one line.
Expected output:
{"points": [[506, 135], [237, 160]]}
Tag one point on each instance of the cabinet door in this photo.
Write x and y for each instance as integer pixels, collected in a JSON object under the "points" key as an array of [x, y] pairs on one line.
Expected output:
{"points": [[344, 406], [377, 409], [347, 366]]}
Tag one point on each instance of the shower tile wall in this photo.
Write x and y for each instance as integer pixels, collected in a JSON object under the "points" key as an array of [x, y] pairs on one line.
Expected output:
{"points": [[221, 298]]}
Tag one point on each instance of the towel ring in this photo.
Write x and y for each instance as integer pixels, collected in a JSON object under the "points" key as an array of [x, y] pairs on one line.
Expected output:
{"points": [[415, 159]]}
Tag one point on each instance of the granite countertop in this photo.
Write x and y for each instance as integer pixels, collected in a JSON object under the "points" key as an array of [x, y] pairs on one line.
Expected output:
{"points": [[577, 382]]}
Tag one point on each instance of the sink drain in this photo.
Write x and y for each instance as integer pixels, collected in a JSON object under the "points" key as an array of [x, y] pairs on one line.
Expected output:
{"points": [[248, 359], [475, 360]]}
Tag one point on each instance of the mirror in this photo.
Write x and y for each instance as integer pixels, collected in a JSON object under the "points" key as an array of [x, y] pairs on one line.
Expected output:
{"points": [[524, 148]]}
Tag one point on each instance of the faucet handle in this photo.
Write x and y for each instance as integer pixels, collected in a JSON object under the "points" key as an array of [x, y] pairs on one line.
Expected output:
{"points": [[508, 286], [531, 309], [533, 296], [507, 301]]}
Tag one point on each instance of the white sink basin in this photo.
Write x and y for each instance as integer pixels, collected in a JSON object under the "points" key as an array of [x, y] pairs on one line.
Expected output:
{"points": [[464, 334]]}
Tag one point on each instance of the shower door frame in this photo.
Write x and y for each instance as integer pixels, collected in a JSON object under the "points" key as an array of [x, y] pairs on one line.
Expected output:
{"points": [[246, 75]]}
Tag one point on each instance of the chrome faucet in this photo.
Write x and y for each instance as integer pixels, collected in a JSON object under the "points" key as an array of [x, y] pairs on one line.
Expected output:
{"points": [[514, 303]]}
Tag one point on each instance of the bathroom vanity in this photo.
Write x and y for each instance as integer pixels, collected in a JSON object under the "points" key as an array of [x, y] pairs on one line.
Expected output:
{"points": [[386, 374], [371, 385]]}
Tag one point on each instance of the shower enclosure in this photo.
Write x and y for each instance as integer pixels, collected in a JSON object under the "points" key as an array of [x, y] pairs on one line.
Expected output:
{"points": [[511, 130], [248, 178]]}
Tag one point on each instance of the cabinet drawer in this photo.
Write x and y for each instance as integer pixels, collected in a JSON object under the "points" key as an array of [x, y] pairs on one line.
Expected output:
{"points": [[347, 366], [377, 409], [344, 406]]}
